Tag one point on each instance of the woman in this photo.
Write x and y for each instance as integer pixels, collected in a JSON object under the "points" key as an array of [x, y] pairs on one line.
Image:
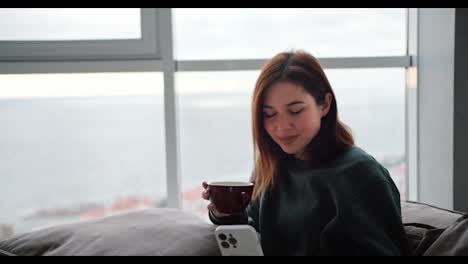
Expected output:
{"points": [[315, 192]]}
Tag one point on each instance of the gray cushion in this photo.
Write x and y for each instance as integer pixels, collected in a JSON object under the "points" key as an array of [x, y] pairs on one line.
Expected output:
{"points": [[176, 232], [453, 241], [154, 232], [421, 237], [425, 223], [421, 213]]}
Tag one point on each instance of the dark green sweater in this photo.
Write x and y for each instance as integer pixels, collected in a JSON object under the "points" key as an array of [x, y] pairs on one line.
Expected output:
{"points": [[348, 207]]}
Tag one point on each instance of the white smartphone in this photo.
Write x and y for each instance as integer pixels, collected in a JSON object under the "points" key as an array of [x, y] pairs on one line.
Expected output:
{"points": [[238, 240]]}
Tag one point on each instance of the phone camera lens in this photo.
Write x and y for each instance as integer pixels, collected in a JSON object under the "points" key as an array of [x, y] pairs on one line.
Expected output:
{"points": [[232, 241], [225, 244]]}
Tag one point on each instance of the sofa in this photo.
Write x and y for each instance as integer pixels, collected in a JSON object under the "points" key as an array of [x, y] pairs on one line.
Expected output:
{"points": [[172, 232], [434, 231]]}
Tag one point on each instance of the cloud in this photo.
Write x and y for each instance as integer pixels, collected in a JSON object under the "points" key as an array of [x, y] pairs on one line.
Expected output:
{"points": [[69, 23], [261, 33]]}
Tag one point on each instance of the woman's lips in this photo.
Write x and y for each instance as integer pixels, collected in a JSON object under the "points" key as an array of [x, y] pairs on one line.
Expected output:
{"points": [[287, 140]]}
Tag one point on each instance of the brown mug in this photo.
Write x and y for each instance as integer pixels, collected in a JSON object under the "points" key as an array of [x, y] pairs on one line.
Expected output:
{"points": [[230, 197]]}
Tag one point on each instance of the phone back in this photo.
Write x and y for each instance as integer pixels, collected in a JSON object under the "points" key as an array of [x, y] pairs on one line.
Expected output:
{"points": [[238, 240]]}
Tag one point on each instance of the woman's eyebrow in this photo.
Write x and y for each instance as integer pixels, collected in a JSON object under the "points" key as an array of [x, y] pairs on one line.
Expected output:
{"points": [[295, 103], [289, 104]]}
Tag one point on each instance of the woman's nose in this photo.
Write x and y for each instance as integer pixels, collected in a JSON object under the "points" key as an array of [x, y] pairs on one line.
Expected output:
{"points": [[283, 123]]}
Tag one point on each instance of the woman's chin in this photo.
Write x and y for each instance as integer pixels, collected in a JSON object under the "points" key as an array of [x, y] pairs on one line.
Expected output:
{"points": [[289, 150], [297, 152]]}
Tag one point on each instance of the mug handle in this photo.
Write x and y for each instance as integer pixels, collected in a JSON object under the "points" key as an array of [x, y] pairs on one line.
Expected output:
{"points": [[245, 199]]}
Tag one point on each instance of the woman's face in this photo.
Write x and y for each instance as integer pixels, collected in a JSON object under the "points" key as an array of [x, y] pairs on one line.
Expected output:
{"points": [[292, 116]]}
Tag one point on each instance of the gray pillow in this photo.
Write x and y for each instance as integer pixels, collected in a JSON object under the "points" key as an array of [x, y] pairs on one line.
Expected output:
{"points": [[429, 227], [154, 232], [421, 237], [453, 241], [421, 213]]}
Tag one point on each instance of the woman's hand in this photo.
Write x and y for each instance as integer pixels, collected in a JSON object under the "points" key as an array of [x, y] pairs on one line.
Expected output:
{"points": [[211, 207]]}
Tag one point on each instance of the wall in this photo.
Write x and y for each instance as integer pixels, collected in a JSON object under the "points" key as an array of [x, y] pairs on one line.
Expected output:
{"points": [[461, 111], [436, 28]]}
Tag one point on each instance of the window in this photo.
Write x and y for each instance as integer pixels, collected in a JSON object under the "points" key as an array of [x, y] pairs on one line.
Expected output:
{"points": [[215, 130], [372, 103], [64, 24], [252, 33], [89, 131], [215, 106], [78, 34], [79, 146]]}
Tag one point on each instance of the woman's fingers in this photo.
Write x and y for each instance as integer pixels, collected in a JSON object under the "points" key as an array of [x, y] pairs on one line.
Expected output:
{"points": [[211, 207], [206, 195], [206, 192]]}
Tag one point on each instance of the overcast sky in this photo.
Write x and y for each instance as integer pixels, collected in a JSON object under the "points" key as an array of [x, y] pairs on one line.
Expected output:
{"points": [[69, 23], [209, 34]]}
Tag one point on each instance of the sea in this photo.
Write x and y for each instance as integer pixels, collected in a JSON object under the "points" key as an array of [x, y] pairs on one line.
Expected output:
{"points": [[63, 158]]}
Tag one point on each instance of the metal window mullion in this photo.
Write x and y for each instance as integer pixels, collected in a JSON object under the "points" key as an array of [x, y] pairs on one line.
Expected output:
{"points": [[411, 111], [329, 63], [36, 67], [173, 177]]}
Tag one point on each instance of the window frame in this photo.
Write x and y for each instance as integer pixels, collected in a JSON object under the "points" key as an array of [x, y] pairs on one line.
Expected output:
{"points": [[157, 54], [70, 50]]}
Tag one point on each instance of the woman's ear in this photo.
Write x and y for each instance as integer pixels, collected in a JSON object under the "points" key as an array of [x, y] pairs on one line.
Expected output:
{"points": [[326, 104]]}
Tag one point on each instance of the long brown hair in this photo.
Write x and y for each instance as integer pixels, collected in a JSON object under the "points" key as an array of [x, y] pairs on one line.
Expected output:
{"points": [[305, 70]]}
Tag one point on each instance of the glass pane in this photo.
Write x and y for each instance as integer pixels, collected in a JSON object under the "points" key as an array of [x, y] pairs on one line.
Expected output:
{"points": [[374, 108], [215, 131], [79, 146], [258, 33], [49, 24], [216, 141]]}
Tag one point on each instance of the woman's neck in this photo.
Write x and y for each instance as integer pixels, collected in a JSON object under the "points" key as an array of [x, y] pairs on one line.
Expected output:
{"points": [[302, 156]]}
